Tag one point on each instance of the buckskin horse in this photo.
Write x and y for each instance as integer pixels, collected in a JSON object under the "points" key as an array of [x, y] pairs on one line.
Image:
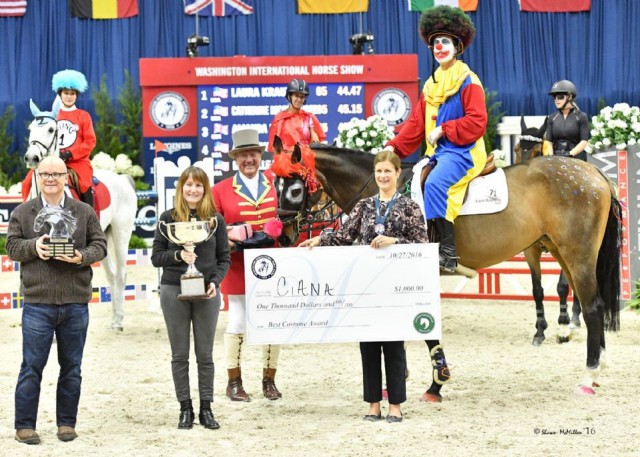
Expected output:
{"points": [[566, 205], [529, 147], [117, 219]]}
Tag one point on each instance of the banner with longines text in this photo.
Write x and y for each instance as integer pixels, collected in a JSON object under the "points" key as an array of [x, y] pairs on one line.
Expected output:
{"points": [[345, 293], [193, 105]]}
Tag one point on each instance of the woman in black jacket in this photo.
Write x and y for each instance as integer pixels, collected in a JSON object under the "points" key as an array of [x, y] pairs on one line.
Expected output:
{"points": [[193, 202]]}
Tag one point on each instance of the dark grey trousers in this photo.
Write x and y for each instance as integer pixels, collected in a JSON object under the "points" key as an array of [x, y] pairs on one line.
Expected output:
{"points": [[180, 315]]}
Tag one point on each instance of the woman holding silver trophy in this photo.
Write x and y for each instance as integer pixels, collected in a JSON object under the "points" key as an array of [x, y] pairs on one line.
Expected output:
{"points": [[191, 246]]}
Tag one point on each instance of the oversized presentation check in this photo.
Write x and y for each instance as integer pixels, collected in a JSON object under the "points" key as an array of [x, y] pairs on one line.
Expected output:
{"points": [[348, 293]]}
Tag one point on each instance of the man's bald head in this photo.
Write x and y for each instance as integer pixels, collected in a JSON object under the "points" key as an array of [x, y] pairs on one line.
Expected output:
{"points": [[53, 162]]}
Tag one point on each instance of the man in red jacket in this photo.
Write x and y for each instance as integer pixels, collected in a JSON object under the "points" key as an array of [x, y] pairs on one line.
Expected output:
{"points": [[248, 197]]}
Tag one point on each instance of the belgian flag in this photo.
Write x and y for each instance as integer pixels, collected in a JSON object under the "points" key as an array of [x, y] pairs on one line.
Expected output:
{"points": [[104, 9]]}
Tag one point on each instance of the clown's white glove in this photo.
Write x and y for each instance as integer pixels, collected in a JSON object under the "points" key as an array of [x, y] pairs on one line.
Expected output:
{"points": [[434, 136]]}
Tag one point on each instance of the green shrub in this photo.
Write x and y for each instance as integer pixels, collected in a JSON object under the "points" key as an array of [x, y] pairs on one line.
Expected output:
{"points": [[634, 303], [3, 242], [494, 116], [137, 242]]}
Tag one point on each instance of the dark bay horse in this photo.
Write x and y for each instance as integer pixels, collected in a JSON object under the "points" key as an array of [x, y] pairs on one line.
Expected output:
{"points": [[581, 228], [529, 147]]}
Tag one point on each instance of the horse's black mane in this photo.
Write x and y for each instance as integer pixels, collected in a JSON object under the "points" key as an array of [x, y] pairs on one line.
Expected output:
{"points": [[355, 153]]}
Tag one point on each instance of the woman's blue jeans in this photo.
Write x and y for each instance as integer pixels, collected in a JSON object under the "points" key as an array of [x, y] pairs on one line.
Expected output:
{"points": [[39, 323]]}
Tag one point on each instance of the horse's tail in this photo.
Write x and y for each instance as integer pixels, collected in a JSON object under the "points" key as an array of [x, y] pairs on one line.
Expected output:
{"points": [[608, 267]]}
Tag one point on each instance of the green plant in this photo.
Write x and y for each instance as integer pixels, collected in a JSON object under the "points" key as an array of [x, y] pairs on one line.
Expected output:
{"points": [[130, 129], [137, 242], [369, 134], [494, 116], [105, 124], [616, 126], [3, 242], [634, 303], [12, 167]]}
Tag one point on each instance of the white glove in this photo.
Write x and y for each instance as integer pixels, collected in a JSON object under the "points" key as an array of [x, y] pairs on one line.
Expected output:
{"points": [[434, 136], [388, 148]]}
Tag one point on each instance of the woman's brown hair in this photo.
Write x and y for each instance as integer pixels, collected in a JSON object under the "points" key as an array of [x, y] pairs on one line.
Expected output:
{"points": [[206, 207], [387, 156]]}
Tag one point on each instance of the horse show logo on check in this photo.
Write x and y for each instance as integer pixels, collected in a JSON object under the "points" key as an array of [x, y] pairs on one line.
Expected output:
{"points": [[424, 322], [263, 267]]}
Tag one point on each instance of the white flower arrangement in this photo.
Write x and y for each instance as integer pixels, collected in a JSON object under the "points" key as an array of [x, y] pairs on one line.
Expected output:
{"points": [[369, 134], [617, 127], [121, 165]]}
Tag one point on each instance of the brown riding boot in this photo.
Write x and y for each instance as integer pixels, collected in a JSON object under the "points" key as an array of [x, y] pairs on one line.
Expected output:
{"points": [[269, 388], [235, 391]]}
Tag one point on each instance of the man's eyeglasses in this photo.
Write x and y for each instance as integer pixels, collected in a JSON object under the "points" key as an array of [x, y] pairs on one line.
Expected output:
{"points": [[51, 175], [560, 96]]}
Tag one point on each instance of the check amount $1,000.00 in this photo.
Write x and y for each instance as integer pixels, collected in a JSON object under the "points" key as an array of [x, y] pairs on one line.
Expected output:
{"points": [[407, 289]]}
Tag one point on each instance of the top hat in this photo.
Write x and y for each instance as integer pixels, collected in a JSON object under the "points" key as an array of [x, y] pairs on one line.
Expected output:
{"points": [[244, 140]]}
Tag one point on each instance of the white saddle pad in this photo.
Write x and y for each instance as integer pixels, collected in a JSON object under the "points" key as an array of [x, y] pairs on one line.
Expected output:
{"points": [[486, 194]]}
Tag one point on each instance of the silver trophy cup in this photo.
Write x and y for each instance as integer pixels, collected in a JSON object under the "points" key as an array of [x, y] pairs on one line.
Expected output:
{"points": [[188, 235]]}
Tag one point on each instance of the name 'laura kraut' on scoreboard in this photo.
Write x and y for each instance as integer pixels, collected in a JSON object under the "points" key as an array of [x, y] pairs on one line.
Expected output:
{"points": [[280, 70]]}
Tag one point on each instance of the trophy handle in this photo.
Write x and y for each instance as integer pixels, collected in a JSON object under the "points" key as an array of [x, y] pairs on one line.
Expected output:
{"points": [[168, 234]]}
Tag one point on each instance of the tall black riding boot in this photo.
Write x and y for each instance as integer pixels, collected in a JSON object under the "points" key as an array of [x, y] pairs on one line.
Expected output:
{"points": [[448, 255], [87, 197]]}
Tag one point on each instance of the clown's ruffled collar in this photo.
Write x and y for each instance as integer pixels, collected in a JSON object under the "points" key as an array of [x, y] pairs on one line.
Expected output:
{"points": [[448, 83]]}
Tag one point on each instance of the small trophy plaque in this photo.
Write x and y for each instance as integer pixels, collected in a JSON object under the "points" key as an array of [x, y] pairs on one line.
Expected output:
{"points": [[188, 235], [63, 225]]}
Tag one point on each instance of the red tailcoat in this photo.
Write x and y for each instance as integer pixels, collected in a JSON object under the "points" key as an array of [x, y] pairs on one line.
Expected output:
{"points": [[76, 135], [234, 201]]}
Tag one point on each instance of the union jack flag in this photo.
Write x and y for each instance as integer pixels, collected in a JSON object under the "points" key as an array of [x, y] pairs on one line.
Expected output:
{"points": [[218, 7], [221, 128]]}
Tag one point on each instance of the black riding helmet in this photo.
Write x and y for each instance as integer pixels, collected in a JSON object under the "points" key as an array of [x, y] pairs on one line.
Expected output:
{"points": [[297, 86], [564, 87]]}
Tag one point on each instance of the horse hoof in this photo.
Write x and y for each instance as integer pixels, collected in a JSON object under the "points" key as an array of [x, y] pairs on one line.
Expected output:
{"points": [[595, 384], [117, 328], [574, 325], [537, 341], [563, 339], [585, 391], [431, 398]]}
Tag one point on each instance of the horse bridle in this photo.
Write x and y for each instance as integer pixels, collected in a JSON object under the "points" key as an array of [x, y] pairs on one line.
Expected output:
{"points": [[304, 219], [54, 140]]}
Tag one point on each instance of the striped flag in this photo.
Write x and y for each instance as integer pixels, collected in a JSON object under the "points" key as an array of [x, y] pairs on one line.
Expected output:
{"points": [[464, 5], [556, 6], [129, 292], [219, 110], [103, 9], [219, 7], [332, 6], [220, 92], [95, 295], [13, 8]]}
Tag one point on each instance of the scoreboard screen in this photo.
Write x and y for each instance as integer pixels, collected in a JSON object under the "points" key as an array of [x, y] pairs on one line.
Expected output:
{"points": [[192, 106], [224, 109]]}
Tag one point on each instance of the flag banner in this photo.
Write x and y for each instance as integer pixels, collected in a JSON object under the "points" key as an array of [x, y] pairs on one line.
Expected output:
{"points": [[105, 294], [17, 300], [464, 5], [95, 295], [220, 92], [332, 6], [8, 264], [555, 6], [5, 301], [219, 7], [13, 8], [221, 146], [103, 9], [219, 110], [129, 292]]}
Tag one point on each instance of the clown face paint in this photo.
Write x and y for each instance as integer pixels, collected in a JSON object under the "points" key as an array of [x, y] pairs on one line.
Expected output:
{"points": [[444, 50]]}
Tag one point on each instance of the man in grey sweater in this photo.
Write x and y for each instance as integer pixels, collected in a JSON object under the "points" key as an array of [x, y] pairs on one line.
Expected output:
{"points": [[56, 294]]}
